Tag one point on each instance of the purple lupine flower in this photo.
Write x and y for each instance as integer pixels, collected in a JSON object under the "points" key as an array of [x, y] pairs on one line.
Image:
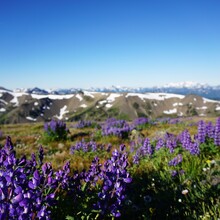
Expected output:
{"points": [[176, 160], [83, 124], [56, 129], [210, 130], [115, 179], [146, 149], [88, 147], [24, 190], [140, 121], [194, 148], [185, 139], [217, 132], [174, 173], [115, 127], [171, 141], [201, 131], [137, 157], [94, 172], [160, 143], [174, 121]]}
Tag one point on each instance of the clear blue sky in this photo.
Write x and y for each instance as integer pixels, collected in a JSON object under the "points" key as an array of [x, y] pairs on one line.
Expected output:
{"points": [[79, 43]]}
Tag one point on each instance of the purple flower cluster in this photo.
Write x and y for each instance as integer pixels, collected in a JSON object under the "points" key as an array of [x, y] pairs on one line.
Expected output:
{"points": [[174, 121], [176, 172], [146, 149], [140, 121], [90, 146], [31, 189], [83, 124], [208, 131], [185, 139], [56, 130], [94, 173], [217, 133], [159, 144], [176, 160], [115, 179], [170, 141], [27, 189], [201, 135], [119, 128], [188, 144], [168, 120]]}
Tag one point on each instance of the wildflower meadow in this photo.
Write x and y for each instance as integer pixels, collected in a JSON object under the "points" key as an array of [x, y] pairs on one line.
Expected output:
{"points": [[115, 169]]}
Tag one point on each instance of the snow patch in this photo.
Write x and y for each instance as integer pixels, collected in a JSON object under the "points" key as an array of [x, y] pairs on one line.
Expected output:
{"points": [[156, 96], [209, 100], [2, 109], [3, 101], [202, 114], [79, 97], [217, 108], [83, 105], [62, 112], [36, 103], [171, 111], [15, 99], [113, 96], [31, 119], [202, 108], [103, 102], [35, 96], [180, 114], [108, 105], [89, 94], [178, 104]]}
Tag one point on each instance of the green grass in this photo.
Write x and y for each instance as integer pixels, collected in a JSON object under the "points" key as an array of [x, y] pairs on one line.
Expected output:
{"points": [[153, 193]]}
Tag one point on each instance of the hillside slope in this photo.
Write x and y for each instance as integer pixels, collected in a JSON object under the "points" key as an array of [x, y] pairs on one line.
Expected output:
{"points": [[22, 107]]}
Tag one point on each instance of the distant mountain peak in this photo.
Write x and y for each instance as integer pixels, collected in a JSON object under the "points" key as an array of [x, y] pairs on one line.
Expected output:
{"points": [[183, 88], [23, 107], [186, 84]]}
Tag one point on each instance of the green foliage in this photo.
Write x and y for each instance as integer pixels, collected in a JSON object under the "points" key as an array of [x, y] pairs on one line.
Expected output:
{"points": [[135, 105], [88, 98]]}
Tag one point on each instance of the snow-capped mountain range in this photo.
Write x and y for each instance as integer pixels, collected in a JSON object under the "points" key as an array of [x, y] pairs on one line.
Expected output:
{"points": [[38, 105], [183, 88]]}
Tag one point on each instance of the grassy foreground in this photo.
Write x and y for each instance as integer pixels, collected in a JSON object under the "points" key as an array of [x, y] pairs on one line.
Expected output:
{"points": [[174, 167]]}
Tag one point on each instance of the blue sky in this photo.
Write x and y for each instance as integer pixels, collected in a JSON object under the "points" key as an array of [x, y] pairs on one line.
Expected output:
{"points": [[84, 43]]}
